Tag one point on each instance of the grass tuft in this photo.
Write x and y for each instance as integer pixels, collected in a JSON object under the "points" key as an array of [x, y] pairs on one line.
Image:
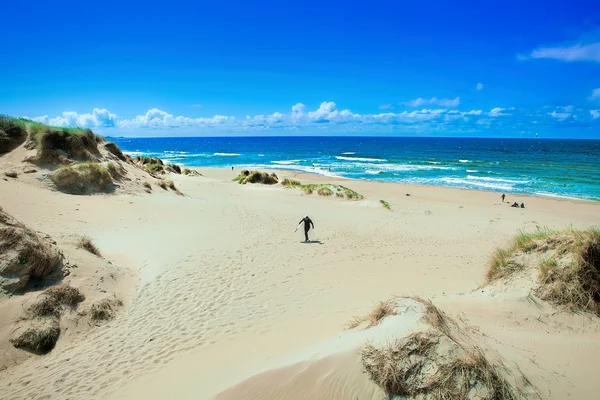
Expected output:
{"points": [[87, 244], [291, 183], [382, 310], [414, 368], [324, 191], [105, 309], [166, 184], [38, 336], [52, 301], [385, 204], [247, 176]]}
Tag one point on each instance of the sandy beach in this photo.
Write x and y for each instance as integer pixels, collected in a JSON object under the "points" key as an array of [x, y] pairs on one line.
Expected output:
{"points": [[223, 290]]}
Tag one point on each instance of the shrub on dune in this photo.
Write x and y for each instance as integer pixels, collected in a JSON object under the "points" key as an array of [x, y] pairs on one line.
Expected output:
{"points": [[61, 145], [82, 178]]}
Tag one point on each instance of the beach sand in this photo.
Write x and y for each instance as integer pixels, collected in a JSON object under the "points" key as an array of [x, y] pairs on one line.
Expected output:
{"points": [[227, 299]]}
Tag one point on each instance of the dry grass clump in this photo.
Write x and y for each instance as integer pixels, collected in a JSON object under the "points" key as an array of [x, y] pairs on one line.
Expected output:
{"points": [[256, 177], [38, 336], [13, 132], [24, 255], [115, 150], [430, 365], [54, 299], [572, 277], [87, 244], [567, 265], [147, 185], [83, 178], [105, 309], [382, 310], [385, 204]]}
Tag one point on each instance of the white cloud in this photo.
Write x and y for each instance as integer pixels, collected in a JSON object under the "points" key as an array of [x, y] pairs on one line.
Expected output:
{"points": [[570, 53], [385, 106], [156, 118], [561, 116], [435, 101], [595, 94], [479, 86], [595, 114], [100, 117], [497, 112]]}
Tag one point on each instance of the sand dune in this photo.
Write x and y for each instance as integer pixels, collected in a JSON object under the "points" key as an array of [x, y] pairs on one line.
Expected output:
{"points": [[226, 291]]}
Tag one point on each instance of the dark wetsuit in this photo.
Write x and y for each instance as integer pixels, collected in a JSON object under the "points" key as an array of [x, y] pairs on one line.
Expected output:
{"points": [[307, 224]]}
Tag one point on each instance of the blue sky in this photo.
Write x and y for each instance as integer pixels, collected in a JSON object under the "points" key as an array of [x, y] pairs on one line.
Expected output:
{"points": [[294, 68]]}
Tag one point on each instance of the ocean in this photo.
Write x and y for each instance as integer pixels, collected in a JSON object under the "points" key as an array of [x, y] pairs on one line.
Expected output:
{"points": [[556, 168]]}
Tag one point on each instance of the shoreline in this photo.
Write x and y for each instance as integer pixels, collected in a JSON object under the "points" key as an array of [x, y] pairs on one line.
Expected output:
{"points": [[311, 177]]}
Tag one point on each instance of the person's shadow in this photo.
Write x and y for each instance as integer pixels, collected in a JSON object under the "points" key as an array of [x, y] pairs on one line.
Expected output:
{"points": [[313, 242]]}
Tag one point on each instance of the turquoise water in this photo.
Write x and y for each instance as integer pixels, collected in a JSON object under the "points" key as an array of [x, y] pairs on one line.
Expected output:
{"points": [[559, 168]]}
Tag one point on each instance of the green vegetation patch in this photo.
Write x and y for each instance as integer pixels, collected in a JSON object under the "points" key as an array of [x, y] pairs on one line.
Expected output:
{"points": [[247, 176], [83, 178], [323, 189], [385, 204]]}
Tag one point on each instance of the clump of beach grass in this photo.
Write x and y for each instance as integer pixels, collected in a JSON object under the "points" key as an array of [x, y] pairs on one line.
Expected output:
{"points": [[13, 132], [291, 183], [567, 266], [324, 191], [413, 368], [24, 255], [377, 314], [38, 336], [82, 178], [265, 178], [53, 300], [191, 172], [166, 184], [105, 309], [115, 150], [385, 204], [86, 243]]}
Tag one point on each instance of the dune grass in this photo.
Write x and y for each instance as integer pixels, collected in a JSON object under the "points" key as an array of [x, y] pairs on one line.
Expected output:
{"points": [[568, 270], [105, 309], [115, 150], [82, 178], [413, 368], [39, 336], [147, 185], [247, 176], [323, 189], [13, 132], [22, 250], [86, 243], [385, 204], [166, 184], [52, 301], [381, 310]]}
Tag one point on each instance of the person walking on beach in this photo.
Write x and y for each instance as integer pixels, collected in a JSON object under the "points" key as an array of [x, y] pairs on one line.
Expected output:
{"points": [[503, 197], [307, 224]]}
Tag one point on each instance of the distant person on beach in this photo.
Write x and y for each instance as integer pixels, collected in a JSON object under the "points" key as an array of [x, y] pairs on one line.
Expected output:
{"points": [[522, 205], [232, 168], [307, 224], [503, 197], [515, 204]]}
